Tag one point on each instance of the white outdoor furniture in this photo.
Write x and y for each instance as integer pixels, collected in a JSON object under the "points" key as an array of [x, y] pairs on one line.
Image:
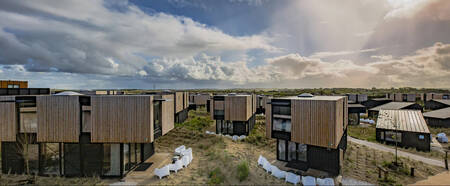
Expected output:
{"points": [[325, 182], [235, 138], [267, 166], [308, 180], [441, 137], [165, 171], [185, 160], [241, 137], [188, 152], [122, 183], [176, 166], [292, 178], [180, 149], [277, 172], [261, 160]]}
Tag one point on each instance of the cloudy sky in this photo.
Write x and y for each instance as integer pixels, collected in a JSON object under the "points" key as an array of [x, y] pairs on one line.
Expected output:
{"points": [[183, 44]]}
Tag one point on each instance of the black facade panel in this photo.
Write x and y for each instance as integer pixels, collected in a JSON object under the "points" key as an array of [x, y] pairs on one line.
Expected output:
{"points": [[181, 116], [12, 161], [281, 135], [72, 159], [436, 122], [147, 151], [240, 128], [208, 108], [92, 159], [324, 159]]}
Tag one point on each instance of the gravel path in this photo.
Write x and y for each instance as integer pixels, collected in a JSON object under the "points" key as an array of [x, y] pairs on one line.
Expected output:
{"points": [[426, 160]]}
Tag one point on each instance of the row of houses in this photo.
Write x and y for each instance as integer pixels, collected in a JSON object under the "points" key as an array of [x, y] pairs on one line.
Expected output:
{"points": [[72, 134]]}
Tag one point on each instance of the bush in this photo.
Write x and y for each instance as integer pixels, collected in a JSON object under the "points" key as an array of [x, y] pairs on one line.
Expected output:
{"points": [[216, 176], [242, 170]]}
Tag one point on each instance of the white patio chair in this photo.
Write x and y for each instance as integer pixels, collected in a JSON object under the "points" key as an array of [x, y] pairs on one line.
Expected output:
{"points": [[185, 160], [261, 160], [189, 154], [241, 137], [267, 166], [277, 172], [308, 181], [176, 166], [180, 149], [292, 178], [235, 138], [164, 171], [325, 182]]}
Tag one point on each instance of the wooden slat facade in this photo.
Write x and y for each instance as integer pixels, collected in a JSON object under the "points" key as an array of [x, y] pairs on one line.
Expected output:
{"points": [[58, 118], [186, 98], [122, 119], [7, 98], [238, 108], [8, 121], [268, 118], [168, 113], [201, 99], [315, 122], [179, 101], [21, 84]]}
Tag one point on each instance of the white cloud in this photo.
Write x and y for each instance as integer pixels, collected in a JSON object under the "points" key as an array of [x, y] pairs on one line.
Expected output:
{"points": [[341, 53], [87, 37]]}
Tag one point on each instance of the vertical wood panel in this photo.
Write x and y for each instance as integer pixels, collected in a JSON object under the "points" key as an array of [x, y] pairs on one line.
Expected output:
{"points": [[168, 114], [315, 122], [179, 101], [8, 121], [58, 118], [122, 119], [268, 119], [237, 108]]}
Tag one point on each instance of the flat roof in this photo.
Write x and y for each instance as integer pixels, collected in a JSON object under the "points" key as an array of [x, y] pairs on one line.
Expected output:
{"points": [[324, 98], [393, 106], [402, 120], [356, 105], [441, 113]]}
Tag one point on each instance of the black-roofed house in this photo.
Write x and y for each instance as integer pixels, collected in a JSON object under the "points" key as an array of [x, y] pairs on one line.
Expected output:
{"points": [[354, 111], [406, 127], [394, 106], [371, 103], [436, 104], [438, 118]]}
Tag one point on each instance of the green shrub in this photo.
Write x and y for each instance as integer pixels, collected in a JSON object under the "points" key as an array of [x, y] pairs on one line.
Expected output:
{"points": [[242, 170], [216, 176]]}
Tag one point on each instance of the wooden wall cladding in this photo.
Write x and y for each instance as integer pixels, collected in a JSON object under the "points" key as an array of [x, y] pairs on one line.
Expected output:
{"points": [[186, 100], [58, 118], [8, 121], [254, 102], [179, 104], [201, 99], [315, 122], [268, 118], [168, 115], [122, 119], [7, 98], [212, 106], [237, 108]]}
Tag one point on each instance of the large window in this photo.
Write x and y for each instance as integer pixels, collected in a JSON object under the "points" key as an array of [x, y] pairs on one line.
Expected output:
{"points": [[393, 136], [219, 124], [281, 149], [133, 154], [28, 122], [280, 124], [292, 151], [302, 150], [126, 157], [281, 110], [111, 159], [50, 158]]}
